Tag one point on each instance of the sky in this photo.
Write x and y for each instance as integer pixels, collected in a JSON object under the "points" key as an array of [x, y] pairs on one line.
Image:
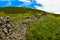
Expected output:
{"points": [[51, 6]]}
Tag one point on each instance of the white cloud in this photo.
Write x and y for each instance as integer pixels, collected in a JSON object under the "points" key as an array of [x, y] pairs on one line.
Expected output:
{"points": [[24, 5], [27, 1], [49, 5]]}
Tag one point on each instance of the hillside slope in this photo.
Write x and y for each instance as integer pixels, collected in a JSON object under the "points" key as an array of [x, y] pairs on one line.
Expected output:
{"points": [[42, 26]]}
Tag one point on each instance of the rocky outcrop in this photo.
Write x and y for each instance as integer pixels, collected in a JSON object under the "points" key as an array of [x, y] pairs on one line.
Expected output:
{"points": [[10, 31], [34, 16]]}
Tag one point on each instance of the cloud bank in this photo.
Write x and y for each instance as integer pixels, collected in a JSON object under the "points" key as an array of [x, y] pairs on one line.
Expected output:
{"points": [[52, 6], [26, 1]]}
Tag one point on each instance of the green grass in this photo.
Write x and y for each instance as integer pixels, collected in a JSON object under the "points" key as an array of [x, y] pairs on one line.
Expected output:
{"points": [[17, 17], [47, 28]]}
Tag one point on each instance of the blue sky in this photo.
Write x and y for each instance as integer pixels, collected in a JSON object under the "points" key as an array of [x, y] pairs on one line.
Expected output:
{"points": [[52, 6], [17, 3]]}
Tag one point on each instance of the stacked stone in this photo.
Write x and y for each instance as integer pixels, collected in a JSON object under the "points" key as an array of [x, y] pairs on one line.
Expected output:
{"points": [[24, 29], [8, 30], [34, 16]]}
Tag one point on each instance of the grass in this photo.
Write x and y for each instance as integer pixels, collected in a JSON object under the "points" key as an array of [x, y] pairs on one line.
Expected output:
{"points": [[46, 29]]}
